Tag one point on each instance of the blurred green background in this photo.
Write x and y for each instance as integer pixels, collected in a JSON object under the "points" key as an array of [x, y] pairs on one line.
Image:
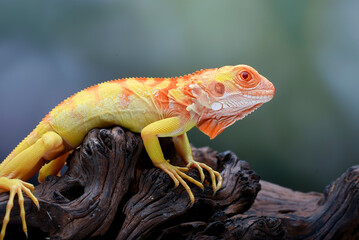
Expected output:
{"points": [[303, 139]]}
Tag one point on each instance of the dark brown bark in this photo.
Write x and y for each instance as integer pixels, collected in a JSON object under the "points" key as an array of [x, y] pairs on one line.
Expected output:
{"points": [[112, 191]]}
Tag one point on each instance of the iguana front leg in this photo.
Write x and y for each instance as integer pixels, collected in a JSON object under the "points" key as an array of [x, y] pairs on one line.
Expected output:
{"points": [[169, 127], [24, 165], [184, 149]]}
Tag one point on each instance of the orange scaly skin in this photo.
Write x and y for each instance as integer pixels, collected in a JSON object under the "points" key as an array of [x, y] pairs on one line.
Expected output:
{"points": [[210, 99]]}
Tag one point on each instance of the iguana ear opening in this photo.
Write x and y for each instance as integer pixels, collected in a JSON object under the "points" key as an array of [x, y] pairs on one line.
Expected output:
{"points": [[217, 89]]}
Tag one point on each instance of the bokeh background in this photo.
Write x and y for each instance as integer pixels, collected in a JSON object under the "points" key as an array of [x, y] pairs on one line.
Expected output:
{"points": [[303, 139]]}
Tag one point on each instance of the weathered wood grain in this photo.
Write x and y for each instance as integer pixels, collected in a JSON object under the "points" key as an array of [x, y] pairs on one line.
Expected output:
{"points": [[112, 191]]}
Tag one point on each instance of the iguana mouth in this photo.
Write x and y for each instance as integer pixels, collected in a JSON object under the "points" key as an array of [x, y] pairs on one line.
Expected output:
{"points": [[247, 111]]}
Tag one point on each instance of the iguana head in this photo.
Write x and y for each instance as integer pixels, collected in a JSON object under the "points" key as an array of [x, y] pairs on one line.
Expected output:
{"points": [[227, 94]]}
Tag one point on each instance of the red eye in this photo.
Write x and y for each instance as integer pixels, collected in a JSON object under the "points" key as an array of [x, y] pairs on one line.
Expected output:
{"points": [[245, 76]]}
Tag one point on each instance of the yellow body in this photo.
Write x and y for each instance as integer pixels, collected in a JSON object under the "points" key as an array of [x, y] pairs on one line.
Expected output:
{"points": [[210, 99]]}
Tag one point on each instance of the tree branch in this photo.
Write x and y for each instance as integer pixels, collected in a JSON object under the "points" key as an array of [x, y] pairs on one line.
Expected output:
{"points": [[111, 190]]}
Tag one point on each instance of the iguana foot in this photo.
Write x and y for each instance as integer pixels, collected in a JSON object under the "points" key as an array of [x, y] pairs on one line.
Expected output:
{"points": [[16, 186], [216, 182], [177, 175]]}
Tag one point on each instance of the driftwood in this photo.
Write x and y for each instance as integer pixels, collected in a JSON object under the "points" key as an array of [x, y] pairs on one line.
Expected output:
{"points": [[112, 191]]}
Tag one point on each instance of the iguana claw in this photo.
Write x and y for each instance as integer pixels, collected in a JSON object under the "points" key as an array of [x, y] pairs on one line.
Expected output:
{"points": [[177, 175], [16, 186], [216, 183]]}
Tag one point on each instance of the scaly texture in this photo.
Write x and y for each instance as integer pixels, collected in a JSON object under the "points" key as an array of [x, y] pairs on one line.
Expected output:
{"points": [[210, 99]]}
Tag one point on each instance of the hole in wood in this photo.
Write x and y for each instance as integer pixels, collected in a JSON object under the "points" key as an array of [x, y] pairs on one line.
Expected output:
{"points": [[73, 192], [285, 211]]}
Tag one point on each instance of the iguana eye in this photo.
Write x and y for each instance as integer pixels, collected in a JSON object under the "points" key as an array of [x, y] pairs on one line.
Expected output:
{"points": [[245, 76], [246, 79]]}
